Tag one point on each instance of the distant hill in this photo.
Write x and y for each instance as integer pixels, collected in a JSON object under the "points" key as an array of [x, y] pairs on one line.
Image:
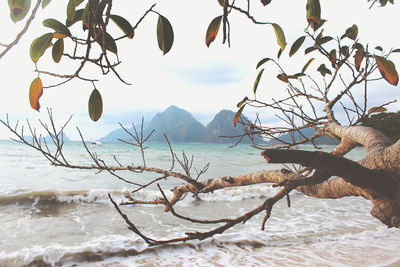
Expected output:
{"points": [[48, 138], [222, 125], [178, 124], [308, 132], [386, 122], [115, 134], [181, 127], [121, 134]]}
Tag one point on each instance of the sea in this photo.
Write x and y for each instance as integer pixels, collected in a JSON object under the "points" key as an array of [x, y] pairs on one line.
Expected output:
{"points": [[53, 216]]}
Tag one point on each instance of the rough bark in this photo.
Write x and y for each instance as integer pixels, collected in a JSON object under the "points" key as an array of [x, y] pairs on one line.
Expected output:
{"points": [[375, 177], [385, 160]]}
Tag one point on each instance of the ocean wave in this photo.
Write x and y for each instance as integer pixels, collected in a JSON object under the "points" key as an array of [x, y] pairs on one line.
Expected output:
{"points": [[234, 249], [101, 195], [84, 196], [94, 250]]}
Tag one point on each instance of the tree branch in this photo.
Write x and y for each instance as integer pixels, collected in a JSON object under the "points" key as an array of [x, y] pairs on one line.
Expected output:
{"points": [[23, 31], [370, 138], [333, 165]]}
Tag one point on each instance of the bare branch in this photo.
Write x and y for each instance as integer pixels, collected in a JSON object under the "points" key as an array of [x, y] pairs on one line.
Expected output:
{"points": [[23, 31]]}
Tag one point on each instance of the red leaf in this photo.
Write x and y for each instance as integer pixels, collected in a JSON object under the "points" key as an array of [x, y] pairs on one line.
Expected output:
{"points": [[307, 64], [313, 10], [237, 115], [212, 30], [358, 57], [35, 92], [376, 110], [332, 57], [387, 69]]}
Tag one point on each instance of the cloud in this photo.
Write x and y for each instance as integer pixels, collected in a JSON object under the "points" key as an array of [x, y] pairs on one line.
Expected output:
{"points": [[209, 74]]}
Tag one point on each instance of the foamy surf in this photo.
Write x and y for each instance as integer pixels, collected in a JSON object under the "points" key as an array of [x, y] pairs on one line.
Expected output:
{"points": [[57, 217], [85, 196], [101, 195], [230, 250]]}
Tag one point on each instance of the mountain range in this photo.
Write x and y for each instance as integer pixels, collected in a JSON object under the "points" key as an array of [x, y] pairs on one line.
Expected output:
{"points": [[181, 127], [307, 132]]}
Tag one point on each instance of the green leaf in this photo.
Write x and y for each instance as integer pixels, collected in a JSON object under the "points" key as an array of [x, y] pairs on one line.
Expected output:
{"points": [[396, 50], [85, 17], [283, 77], [296, 45], [58, 50], [212, 30], [344, 50], [358, 57], [35, 92], [387, 69], [78, 2], [310, 49], [351, 33], [279, 53], [321, 23], [77, 17], [256, 82], [306, 65], [358, 46], [320, 34], [242, 102], [109, 41], [45, 3], [165, 34], [313, 13], [221, 2], [99, 12], [85, 14], [332, 57], [237, 115], [323, 70], [124, 25], [376, 110], [18, 9], [71, 10], [95, 105], [265, 2], [280, 36], [262, 61], [323, 40], [57, 26], [39, 46], [379, 48]]}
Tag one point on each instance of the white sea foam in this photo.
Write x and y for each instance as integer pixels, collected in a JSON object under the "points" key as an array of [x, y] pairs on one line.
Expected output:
{"points": [[232, 249], [101, 195], [57, 253], [62, 217]]}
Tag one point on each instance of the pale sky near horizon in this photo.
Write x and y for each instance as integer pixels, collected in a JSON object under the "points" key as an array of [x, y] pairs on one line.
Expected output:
{"points": [[191, 76]]}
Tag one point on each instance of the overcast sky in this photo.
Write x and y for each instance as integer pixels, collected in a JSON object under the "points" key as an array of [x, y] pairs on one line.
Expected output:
{"points": [[199, 79]]}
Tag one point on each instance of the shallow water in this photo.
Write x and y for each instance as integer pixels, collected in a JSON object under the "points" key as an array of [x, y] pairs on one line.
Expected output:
{"points": [[60, 217]]}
